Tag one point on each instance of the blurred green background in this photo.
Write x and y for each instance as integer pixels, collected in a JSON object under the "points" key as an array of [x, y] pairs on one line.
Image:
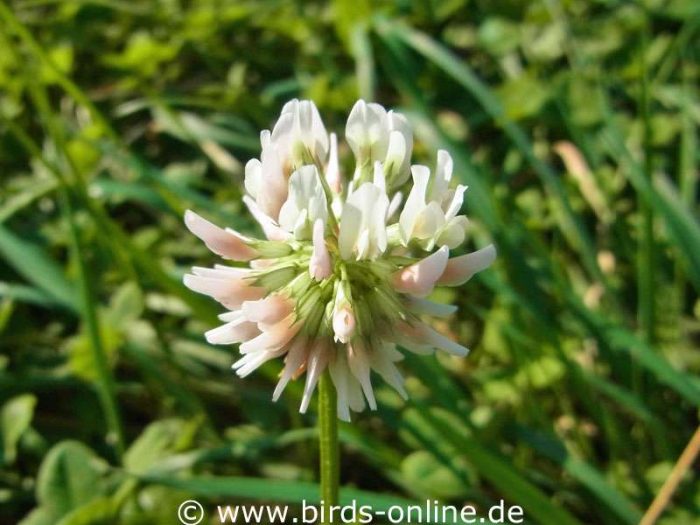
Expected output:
{"points": [[575, 125]]}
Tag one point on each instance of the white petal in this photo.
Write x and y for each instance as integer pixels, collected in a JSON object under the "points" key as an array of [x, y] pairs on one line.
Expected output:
{"points": [[300, 121], [363, 223], [419, 278], [456, 204], [454, 233], [366, 130], [251, 362], [428, 222], [439, 341], [272, 231], [382, 363], [460, 269], [320, 261], [316, 364], [340, 374], [306, 202], [235, 331], [253, 177], [359, 366], [226, 243], [423, 306], [379, 178], [394, 204], [415, 203], [443, 174]]}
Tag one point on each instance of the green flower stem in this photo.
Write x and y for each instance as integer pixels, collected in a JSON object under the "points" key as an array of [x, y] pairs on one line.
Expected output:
{"points": [[328, 445]]}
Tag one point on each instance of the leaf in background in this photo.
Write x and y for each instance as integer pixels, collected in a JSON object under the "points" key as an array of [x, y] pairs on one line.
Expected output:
{"points": [[157, 441], [421, 470], [35, 265], [69, 477], [15, 417]]}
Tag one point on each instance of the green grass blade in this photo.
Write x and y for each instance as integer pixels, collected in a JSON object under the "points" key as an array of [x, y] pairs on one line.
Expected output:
{"points": [[587, 475], [37, 267]]}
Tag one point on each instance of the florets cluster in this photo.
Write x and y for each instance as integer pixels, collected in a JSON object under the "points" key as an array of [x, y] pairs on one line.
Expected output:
{"points": [[342, 276]]}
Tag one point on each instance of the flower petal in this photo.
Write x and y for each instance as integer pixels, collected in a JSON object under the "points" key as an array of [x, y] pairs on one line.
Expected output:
{"points": [[274, 337], [320, 261], [358, 362], [460, 269], [293, 362], [235, 331], [335, 181], [415, 203], [272, 231], [419, 278], [226, 243], [269, 310], [229, 292], [316, 364]]}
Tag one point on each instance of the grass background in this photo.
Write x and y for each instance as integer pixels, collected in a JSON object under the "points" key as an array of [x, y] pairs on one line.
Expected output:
{"points": [[575, 125]]}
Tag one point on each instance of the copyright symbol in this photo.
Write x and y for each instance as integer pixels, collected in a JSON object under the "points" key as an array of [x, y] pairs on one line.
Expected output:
{"points": [[190, 512]]}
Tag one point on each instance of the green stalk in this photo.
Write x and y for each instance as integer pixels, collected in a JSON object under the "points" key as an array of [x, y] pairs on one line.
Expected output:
{"points": [[645, 277], [106, 388], [328, 445]]}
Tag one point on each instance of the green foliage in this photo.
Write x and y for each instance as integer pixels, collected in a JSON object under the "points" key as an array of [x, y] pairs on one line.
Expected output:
{"points": [[575, 125]]}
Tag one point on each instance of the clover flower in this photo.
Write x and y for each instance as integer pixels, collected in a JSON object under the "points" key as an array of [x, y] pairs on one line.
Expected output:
{"points": [[342, 276]]}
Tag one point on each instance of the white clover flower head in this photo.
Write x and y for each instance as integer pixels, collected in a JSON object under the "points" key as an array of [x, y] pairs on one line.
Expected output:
{"points": [[340, 280]]}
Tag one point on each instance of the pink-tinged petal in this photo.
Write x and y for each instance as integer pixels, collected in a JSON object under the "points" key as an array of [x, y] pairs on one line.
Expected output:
{"points": [[235, 331], [343, 324], [269, 310], [274, 337], [226, 243], [271, 229], [294, 361], [229, 292], [419, 278], [460, 269], [315, 365], [320, 261], [359, 366], [335, 181]]}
